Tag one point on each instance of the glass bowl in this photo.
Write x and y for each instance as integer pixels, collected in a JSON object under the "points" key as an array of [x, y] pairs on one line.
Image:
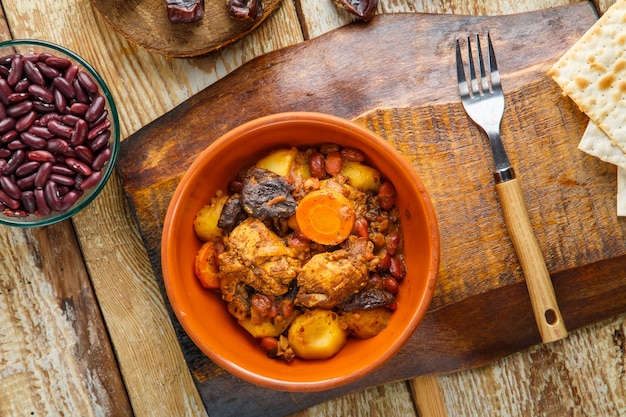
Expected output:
{"points": [[59, 133]]}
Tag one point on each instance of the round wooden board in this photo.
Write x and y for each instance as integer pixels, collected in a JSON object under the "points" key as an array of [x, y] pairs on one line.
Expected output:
{"points": [[145, 23]]}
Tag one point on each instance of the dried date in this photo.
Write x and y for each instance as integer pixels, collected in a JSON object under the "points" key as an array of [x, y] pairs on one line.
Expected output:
{"points": [[364, 9], [245, 9], [184, 11]]}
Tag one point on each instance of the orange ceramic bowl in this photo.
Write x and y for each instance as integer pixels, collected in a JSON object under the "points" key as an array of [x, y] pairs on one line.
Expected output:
{"points": [[203, 314]]}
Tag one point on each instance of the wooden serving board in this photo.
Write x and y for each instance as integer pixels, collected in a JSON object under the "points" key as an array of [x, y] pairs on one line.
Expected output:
{"points": [[396, 76], [145, 23]]}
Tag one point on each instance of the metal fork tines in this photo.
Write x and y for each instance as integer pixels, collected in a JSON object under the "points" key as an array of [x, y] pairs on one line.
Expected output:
{"points": [[483, 100]]}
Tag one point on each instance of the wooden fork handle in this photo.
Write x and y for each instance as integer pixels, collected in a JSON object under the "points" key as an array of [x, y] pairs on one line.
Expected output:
{"points": [[542, 297]]}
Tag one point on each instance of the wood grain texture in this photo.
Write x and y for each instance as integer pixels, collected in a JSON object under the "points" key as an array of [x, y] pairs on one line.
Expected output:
{"points": [[145, 23], [51, 330], [480, 276]]}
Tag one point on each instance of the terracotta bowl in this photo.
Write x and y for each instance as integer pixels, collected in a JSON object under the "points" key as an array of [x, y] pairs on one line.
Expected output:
{"points": [[202, 313]]}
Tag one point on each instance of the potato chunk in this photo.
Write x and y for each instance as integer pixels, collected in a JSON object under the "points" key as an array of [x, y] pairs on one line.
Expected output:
{"points": [[205, 223], [317, 334], [361, 176], [367, 323], [279, 161]]}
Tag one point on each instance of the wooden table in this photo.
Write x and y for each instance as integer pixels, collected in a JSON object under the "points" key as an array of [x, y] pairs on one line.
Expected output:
{"points": [[83, 325]]}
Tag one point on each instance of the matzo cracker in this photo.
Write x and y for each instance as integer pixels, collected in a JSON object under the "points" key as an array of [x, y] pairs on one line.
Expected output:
{"points": [[596, 143], [593, 73]]}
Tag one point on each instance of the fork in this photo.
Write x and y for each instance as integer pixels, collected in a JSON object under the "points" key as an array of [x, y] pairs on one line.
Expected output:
{"points": [[483, 101]]}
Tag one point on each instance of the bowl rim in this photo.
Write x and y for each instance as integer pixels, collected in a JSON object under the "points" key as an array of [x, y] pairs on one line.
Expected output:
{"points": [[35, 221], [416, 317]]}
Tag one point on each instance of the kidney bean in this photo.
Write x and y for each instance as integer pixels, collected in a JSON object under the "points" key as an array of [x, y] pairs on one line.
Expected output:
{"points": [[62, 179], [391, 284], [81, 93], [52, 196], [99, 120], [57, 146], [59, 129], [42, 205], [17, 159], [42, 107], [20, 108], [393, 242], [58, 62], [79, 109], [27, 168], [10, 187], [25, 121], [87, 82], [64, 86], [60, 102], [5, 91], [316, 165], [333, 163], [16, 144], [63, 170], [33, 74], [103, 138], [95, 131], [386, 195], [84, 154], [41, 156], [41, 131], [7, 124], [17, 97], [397, 267], [8, 201], [79, 134], [385, 263], [34, 141], [27, 182], [69, 199], [43, 174], [31, 56], [22, 85], [78, 166], [89, 181], [352, 155], [17, 67], [9, 136], [360, 227], [70, 119], [28, 201], [46, 70], [3, 111], [375, 281], [70, 73], [5, 153], [95, 110], [62, 190], [48, 117]]}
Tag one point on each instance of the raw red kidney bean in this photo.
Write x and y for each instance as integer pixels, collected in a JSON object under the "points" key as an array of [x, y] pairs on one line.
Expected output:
{"points": [[33, 73], [25, 121], [41, 131], [5, 91], [95, 110], [70, 73], [79, 109], [95, 131], [57, 146], [40, 198], [79, 134], [52, 196], [60, 102], [34, 141], [100, 141], [65, 87], [43, 174], [9, 136], [101, 159], [78, 166], [59, 129], [10, 187], [18, 97], [7, 124], [27, 168], [21, 86], [87, 82], [62, 179], [28, 201], [19, 109], [41, 156], [84, 154], [27, 182], [15, 74], [46, 70], [89, 181], [63, 170], [17, 158]]}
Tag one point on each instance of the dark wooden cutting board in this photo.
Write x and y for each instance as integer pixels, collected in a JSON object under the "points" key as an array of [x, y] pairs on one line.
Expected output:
{"points": [[396, 76]]}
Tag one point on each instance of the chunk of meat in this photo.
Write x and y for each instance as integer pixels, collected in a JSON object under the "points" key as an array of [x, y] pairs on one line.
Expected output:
{"points": [[330, 278], [257, 257]]}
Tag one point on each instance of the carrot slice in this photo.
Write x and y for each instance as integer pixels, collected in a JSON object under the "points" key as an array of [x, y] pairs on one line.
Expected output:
{"points": [[206, 267], [325, 216]]}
